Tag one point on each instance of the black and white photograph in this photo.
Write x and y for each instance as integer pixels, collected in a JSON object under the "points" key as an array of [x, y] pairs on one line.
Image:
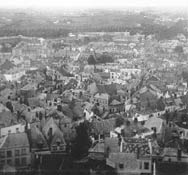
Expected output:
{"points": [[94, 87]]}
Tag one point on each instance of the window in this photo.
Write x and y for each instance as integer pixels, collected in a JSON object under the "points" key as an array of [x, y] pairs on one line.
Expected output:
{"points": [[17, 152], [121, 165], [17, 130], [23, 151], [2, 162], [2, 154], [146, 165], [9, 162], [17, 161], [9, 153], [24, 161]]}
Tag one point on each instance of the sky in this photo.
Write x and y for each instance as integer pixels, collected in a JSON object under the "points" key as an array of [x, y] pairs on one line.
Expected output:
{"points": [[76, 4]]}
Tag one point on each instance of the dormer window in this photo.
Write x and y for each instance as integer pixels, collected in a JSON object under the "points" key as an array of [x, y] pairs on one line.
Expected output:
{"points": [[121, 165], [58, 142], [17, 130]]}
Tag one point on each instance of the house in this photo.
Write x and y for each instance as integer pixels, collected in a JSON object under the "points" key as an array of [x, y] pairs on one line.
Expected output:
{"points": [[12, 129], [157, 124], [37, 140], [102, 99], [29, 90], [128, 163], [102, 88], [128, 73], [116, 106], [15, 150], [14, 74], [174, 152], [54, 136]]}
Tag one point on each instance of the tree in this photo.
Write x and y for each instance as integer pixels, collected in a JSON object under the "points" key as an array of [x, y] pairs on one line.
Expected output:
{"points": [[82, 142], [9, 106], [95, 109], [91, 60], [119, 121], [59, 108], [160, 104]]}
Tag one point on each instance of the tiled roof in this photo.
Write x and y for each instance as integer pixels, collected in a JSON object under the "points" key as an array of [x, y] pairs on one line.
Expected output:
{"points": [[56, 132], [16, 140], [29, 87], [115, 102], [154, 122], [37, 137], [102, 96], [103, 126]]}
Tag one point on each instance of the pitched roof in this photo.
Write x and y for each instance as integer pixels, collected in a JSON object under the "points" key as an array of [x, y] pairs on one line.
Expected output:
{"points": [[154, 122], [37, 137], [30, 86], [153, 78], [16, 140], [56, 132], [115, 102], [102, 95], [54, 113], [103, 126], [112, 144]]}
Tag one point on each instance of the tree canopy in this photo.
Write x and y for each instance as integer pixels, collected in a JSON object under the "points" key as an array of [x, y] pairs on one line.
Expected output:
{"points": [[82, 141]]}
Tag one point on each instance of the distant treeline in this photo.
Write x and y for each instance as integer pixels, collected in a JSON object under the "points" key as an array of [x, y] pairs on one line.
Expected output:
{"points": [[42, 32], [145, 26]]}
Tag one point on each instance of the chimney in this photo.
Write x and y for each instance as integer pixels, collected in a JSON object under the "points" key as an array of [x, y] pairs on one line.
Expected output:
{"points": [[28, 132], [50, 135]]}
